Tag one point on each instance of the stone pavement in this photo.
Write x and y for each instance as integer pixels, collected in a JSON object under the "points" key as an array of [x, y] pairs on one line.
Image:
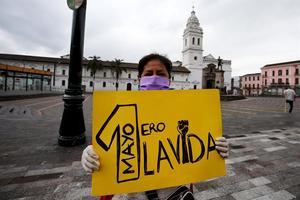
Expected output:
{"points": [[264, 158], [262, 166]]}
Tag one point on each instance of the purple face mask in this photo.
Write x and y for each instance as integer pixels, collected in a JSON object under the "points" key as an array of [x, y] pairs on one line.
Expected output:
{"points": [[154, 83]]}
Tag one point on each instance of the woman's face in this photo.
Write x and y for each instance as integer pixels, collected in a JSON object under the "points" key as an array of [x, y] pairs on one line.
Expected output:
{"points": [[155, 67]]}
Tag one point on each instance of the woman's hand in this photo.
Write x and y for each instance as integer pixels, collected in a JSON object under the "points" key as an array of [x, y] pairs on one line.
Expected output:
{"points": [[222, 147], [89, 159]]}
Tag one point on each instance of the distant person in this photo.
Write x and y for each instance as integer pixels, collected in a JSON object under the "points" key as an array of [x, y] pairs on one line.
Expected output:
{"points": [[235, 93], [290, 97]]}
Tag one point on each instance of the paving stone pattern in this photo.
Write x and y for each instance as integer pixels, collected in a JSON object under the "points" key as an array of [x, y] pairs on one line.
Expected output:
{"points": [[264, 162]]}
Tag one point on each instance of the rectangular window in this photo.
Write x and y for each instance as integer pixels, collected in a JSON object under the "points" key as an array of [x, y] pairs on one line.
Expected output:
{"points": [[266, 73], [258, 78], [287, 81], [198, 41], [91, 74], [297, 71], [287, 72], [104, 74], [250, 78], [63, 82], [104, 84], [273, 73], [129, 76], [254, 78], [91, 83], [279, 80], [297, 81], [266, 82], [63, 72], [279, 72], [254, 86], [258, 86], [273, 80], [245, 78]]}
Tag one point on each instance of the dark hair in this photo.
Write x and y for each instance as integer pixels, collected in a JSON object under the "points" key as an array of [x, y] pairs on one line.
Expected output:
{"points": [[164, 60]]}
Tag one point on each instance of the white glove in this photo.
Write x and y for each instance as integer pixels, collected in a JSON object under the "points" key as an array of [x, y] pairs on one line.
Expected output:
{"points": [[89, 159], [222, 146]]}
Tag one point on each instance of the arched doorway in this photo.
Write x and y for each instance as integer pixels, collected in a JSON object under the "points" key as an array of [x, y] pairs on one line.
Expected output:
{"points": [[128, 88]]}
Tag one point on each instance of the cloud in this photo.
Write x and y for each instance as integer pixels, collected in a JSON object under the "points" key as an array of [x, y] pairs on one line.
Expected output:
{"points": [[250, 33]]}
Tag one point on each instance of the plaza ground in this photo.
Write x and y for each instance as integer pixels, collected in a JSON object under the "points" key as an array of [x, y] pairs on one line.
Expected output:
{"points": [[264, 160]]}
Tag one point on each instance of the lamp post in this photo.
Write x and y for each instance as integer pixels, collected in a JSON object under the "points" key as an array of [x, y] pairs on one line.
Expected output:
{"points": [[72, 126]]}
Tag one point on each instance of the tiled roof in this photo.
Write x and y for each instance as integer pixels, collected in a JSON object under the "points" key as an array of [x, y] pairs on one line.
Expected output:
{"points": [[66, 61], [254, 74]]}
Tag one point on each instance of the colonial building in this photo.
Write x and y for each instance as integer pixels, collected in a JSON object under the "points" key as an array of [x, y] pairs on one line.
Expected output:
{"points": [[13, 71], [251, 84], [276, 77], [273, 79], [24, 72]]}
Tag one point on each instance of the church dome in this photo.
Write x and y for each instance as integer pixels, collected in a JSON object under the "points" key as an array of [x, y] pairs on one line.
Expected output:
{"points": [[193, 20]]}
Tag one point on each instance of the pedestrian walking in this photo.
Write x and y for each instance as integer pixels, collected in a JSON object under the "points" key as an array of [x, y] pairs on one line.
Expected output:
{"points": [[290, 96]]}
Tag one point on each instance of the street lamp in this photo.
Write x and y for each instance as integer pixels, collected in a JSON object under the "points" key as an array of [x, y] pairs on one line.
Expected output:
{"points": [[72, 128]]}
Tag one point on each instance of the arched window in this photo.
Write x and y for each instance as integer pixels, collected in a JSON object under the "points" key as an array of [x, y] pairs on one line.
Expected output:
{"points": [[185, 42], [193, 40], [198, 41], [104, 84]]}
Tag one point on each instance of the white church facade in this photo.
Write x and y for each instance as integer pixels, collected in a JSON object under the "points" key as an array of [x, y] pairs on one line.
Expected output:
{"points": [[49, 73], [192, 55]]}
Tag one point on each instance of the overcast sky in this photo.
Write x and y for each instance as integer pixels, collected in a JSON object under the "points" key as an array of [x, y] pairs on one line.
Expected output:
{"points": [[251, 33]]}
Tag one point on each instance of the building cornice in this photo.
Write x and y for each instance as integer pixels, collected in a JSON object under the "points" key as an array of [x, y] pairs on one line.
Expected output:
{"points": [[282, 63]]}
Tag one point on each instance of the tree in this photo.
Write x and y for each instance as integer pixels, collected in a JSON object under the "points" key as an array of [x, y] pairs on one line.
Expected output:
{"points": [[94, 65], [117, 70]]}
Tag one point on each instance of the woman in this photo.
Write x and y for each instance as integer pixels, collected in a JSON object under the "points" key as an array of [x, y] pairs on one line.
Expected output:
{"points": [[154, 74]]}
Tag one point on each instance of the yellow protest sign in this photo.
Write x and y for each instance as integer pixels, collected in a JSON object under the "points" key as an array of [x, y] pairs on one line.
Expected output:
{"points": [[155, 139]]}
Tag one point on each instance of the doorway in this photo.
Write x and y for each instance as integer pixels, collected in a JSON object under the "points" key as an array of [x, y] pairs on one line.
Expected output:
{"points": [[128, 88]]}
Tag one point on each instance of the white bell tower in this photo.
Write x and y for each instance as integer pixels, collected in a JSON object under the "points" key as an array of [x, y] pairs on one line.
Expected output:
{"points": [[193, 50]]}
